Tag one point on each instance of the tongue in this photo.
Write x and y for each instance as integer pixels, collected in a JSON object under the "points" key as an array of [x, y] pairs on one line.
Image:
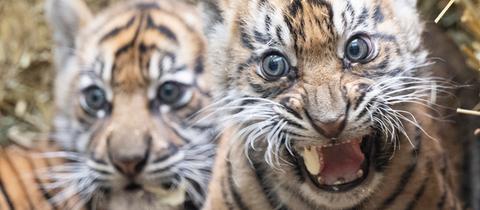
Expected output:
{"points": [[341, 163]]}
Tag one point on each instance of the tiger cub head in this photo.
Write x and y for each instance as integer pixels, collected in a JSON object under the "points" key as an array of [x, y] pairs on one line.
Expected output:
{"points": [[129, 81], [317, 87]]}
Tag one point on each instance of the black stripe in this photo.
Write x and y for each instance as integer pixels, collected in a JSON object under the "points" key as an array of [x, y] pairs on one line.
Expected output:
{"points": [[117, 30], [215, 13], [289, 22], [129, 45], [167, 32], [443, 197], [385, 37], [406, 175], [363, 89], [198, 65], [171, 150], [278, 32], [378, 14], [411, 205], [161, 29], [225, 194], [268, 191], [244, 36], [383, 64], [344, 19], [362, 17], [295, 7], [350, 9], [89, 205], [361, 114], [40, 184], [22, 184], [262, 38], [268, 23], [237, 198], [5, 196], [184, 139]]}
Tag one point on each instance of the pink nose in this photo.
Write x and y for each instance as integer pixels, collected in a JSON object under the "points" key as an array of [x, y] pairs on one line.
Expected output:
{"points": [[130, 166], [330, 129]]}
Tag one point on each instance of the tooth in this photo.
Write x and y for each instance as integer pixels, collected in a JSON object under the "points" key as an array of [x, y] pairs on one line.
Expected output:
{"points": [[339, 181], [320, 180], [311, 160], [359, 173]]}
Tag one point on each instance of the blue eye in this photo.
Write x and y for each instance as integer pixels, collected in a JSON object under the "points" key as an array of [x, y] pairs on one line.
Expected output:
{"points": [[94, 99], [170, 93], [274, 67], [359, 49]]}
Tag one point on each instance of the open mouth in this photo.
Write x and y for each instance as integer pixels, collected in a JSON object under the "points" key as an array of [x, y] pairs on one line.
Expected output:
{"points": [[339, 167]]}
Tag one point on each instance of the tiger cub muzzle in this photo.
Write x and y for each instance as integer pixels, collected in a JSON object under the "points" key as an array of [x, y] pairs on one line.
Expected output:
{"points": [[342, 156], [139, 150]]}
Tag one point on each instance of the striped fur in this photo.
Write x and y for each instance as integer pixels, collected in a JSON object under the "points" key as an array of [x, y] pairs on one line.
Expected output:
{"points": [[25, 179], [269, 122], [129, 81]]}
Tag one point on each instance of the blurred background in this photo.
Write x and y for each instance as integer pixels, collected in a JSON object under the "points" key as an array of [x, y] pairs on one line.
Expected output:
{"points": [[26, 71]]}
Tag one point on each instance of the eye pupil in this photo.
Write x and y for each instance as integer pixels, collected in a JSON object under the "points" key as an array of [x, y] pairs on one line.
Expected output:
{"points": [[358, 49], [95, 98], [169, 93], [274, 67], [354, 49]]}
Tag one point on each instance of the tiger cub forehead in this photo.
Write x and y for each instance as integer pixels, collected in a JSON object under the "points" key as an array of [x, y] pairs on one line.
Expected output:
{"points": [[313, 34], [137, 43]]}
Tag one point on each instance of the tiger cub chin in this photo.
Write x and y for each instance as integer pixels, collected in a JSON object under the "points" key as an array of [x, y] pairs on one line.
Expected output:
{"points": [[327, 103], [129, 81]]}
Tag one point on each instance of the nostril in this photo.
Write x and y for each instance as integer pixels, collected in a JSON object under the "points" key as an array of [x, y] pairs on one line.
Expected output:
{"points": [[130, 166], [332, 129], [329, 129]]}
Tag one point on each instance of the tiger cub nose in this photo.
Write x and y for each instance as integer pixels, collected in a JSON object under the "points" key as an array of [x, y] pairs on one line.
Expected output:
{"points": [[330, 129], [130, 166], [128, 153]]}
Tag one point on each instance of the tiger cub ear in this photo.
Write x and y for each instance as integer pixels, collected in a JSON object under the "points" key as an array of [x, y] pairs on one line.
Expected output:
{"points": [[66, 18]]}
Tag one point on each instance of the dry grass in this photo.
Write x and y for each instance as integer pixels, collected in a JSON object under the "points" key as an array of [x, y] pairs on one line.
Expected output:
{"points": [[25, 67], [26, 72]]}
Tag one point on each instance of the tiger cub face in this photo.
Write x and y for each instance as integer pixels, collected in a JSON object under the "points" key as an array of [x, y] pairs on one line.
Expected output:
{"points": [[317, 88], [129, 80]]}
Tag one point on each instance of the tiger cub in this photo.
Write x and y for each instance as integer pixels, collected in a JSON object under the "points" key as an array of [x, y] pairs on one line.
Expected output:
{"points": [[326, 104], [129, 81]]}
